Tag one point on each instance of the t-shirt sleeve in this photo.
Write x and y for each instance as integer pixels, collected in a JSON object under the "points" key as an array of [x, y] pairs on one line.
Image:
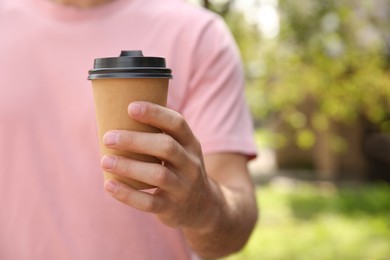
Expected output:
{"points": [[215, 104]]}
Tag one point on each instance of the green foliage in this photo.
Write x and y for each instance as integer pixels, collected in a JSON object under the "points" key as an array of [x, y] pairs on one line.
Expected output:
{"points": [[329, 64], [322, 222]]}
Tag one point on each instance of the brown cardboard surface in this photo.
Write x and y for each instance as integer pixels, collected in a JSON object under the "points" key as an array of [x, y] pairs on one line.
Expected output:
{"points": [[112, 97]]}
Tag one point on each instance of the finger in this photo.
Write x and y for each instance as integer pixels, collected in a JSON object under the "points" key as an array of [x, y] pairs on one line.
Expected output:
{"points": [[168, 120], [137, 199], [160, 145], [151, 173]]}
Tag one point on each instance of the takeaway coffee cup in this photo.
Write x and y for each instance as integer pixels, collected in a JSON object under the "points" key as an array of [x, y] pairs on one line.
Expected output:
{"points": [[118, 81]]}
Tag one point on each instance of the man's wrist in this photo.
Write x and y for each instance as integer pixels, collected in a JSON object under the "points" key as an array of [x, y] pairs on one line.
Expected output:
{"points": [[208, 238]]}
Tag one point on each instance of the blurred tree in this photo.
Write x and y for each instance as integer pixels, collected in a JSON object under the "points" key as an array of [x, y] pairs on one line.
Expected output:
{"points": [[326, 75], [206, 4]]}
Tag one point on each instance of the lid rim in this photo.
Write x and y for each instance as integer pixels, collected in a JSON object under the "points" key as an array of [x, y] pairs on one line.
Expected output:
{"points": [[124, 69], [128, 76], [130, 64]]}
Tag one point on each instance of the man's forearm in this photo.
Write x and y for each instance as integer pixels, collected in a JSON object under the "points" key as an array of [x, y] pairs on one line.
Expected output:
{"points": [[232, 216]]}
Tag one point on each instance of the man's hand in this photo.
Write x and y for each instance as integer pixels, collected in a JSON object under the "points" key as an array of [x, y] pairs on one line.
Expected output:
{"points": [[186, 197], [184, 191]]}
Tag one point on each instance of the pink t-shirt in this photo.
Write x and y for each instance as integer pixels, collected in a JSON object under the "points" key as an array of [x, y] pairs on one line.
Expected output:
{"points": [[53, 205]]}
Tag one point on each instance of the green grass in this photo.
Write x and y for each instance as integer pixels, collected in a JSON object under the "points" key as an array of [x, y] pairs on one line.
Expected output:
{"points": [[306, 221]]}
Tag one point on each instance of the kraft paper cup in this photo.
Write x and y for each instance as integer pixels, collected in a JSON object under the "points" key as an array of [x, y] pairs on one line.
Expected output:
{"points": [[115, 87]]}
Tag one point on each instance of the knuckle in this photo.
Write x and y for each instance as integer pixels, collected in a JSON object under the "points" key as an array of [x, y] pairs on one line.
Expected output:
{"points": [[161, 176], [127, 139], [169, 146], [197, 163], [122, 167], [126, 167], [195, 169], [179, 122], [152, 206], [196, 144], [123, 197]]}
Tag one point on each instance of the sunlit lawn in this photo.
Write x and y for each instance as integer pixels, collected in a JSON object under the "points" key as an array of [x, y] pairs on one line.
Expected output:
{"points": [[310, 221]]}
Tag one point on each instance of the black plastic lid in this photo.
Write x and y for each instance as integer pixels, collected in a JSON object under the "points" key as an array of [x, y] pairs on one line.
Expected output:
{"points": [[130, 64]]}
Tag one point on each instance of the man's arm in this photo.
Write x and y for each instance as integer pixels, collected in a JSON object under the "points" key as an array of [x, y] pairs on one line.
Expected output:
{"points": [[234, 215]]}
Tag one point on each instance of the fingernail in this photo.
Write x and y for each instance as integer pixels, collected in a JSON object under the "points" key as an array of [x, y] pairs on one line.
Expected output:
{"points": [[136, 109], [110, 186], [110, 138], [108, 162]]}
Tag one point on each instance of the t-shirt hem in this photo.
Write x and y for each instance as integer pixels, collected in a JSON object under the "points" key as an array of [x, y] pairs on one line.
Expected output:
{"points": [[232, 144]]}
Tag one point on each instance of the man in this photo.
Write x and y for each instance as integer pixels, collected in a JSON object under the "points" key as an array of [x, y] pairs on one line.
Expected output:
{"points": [[53, 203]]}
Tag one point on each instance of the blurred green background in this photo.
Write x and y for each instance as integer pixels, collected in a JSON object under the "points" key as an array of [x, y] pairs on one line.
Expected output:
{"points": [[303, 221], [318, 85]]}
